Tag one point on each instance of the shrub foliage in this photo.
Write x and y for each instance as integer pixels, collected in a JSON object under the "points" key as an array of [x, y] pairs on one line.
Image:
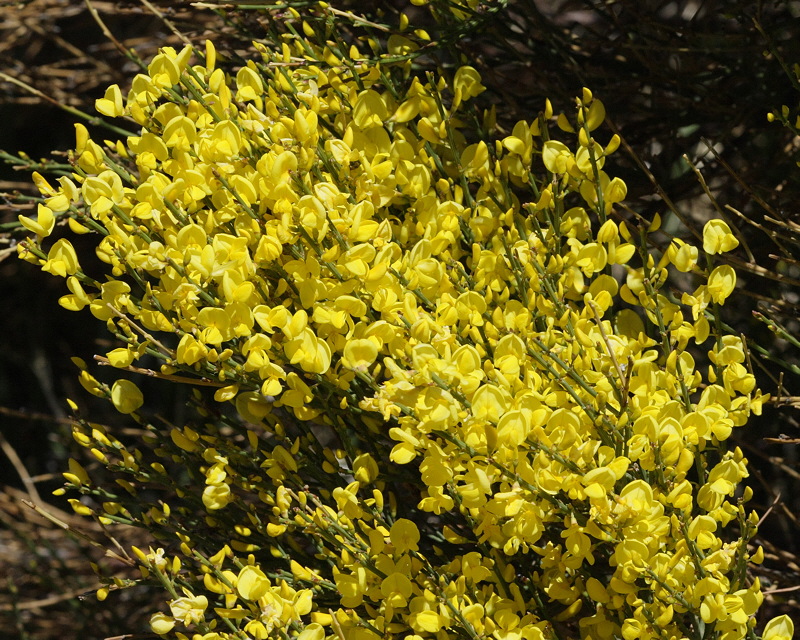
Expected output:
{"points": [[455, 391]]}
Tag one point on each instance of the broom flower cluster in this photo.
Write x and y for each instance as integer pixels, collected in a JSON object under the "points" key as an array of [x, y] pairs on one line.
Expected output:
{"points": [[453, 393]]}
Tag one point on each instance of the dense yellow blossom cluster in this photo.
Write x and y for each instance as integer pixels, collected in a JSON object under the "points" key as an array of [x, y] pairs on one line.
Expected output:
{"points": [[466, 404]]}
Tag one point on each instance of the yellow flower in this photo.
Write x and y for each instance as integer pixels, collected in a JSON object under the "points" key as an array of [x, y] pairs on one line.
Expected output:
{"points": [[466, 84], [426, 621], [190, 609], [721, 283], [62, 259], [682, 255], [365, 469], [78, 299], [309, 351], [360, 354], [161, 623], [557, 157], [369, 283], [404, 535], [126, 396], [717, 237], [252, 583], [369, 110], [44, 223], [615, 191], [111, 103], [780, 628]]}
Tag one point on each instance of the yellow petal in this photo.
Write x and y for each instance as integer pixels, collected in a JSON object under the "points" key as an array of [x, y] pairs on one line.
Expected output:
{"points": [[126, 396]]}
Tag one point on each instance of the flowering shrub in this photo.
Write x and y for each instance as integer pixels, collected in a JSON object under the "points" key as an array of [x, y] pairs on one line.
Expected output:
{"points": [[454, 395]]}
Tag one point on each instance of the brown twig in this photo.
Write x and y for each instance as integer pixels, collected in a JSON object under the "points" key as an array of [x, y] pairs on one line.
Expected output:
{"points": [[203, 382], [168, 23], [18, 465], [49, 601], [106, 31]]}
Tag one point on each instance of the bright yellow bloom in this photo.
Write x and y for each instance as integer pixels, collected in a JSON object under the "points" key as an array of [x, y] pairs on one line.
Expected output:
{"points": [[456, 384], [126, 396], [717, 237], [44, 223]]}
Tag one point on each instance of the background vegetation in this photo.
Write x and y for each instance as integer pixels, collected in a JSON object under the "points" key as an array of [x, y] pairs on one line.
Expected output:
{"points": [[687, 85]]}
